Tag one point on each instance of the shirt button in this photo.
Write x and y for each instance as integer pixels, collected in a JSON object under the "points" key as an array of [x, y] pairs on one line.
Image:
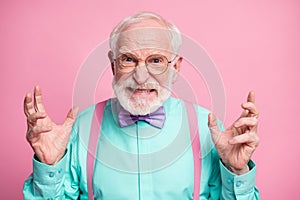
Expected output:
{"points": [[229, 181], [238, 183], [50, 198], [51, 174], [60, 170]]}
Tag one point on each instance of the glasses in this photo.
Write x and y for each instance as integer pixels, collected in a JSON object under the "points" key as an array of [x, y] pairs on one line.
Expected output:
{"points": [[155, 64]]}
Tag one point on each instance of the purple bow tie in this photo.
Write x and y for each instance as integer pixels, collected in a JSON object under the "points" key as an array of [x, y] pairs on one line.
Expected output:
{"points": [[156, 118]]}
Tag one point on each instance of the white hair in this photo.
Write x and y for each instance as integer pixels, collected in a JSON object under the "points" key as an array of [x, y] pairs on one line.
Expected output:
{"points": [[176, 39]]}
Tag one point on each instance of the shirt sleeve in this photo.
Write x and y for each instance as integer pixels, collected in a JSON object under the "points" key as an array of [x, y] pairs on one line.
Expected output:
{"points": [[240, 187], [45, 181], [59, 181]]}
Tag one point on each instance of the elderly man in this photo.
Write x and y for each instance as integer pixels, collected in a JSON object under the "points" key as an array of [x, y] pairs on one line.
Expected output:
{"points": [[143, 144]]}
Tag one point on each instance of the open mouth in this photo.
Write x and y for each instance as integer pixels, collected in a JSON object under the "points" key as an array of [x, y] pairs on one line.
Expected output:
{"points": [[142, 91]]}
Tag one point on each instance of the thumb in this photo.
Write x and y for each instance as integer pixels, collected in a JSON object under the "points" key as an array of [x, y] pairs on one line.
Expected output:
{"points": [[213, 125], [72, 114]]}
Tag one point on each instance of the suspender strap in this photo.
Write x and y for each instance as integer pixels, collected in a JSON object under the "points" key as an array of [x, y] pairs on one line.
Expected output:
{"points": [[92, 147], [95, 132], [194, 135]]}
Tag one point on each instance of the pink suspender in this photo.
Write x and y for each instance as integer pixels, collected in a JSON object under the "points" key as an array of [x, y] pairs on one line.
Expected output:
{"points": [[92, 148], [194, 135], [93, 141]]}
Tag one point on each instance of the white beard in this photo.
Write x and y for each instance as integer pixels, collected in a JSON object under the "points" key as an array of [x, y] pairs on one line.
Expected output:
{"points": [[140, 106]]}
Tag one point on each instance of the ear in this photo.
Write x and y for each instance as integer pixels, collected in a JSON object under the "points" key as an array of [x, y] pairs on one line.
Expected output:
{"points": [[177, 67], [112, 63]]}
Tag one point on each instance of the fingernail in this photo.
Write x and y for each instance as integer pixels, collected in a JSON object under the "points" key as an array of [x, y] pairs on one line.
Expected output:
{"points": [[246, 104], [231, 141], [236, 124]]}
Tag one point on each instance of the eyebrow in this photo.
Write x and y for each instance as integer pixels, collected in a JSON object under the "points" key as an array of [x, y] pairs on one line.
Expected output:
{"points": [[124, 50], [128, 54], [154, 52]]}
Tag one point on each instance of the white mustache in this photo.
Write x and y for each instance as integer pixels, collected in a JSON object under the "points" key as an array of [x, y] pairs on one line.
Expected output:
{"points": [[145, 86]]}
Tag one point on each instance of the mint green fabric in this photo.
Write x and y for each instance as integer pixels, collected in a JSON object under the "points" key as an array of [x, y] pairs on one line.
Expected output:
{"points": [[140, 162]]}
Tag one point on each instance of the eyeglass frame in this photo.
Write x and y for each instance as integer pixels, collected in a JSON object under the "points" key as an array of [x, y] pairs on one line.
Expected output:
{"points": [[146, 64]]}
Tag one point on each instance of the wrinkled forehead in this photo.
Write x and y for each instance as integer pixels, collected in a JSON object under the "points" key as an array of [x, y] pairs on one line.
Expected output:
{"points": [[156, 39]]}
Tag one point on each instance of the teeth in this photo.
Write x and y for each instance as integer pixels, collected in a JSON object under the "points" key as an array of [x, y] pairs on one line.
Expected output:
{"points": [[142, 90]]}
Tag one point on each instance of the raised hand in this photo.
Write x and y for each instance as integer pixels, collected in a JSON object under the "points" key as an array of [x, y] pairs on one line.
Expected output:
{"points": [[47, 139], [238, 142]]}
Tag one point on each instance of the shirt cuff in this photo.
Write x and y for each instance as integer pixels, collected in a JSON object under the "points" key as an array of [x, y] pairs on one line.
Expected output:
{"points": [[49, 174], [238, 184]]}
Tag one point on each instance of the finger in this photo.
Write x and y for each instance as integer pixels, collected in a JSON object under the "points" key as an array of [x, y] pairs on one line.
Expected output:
{"points": [[251, 97], [244, 113], [39, 129], [213, 125], [36, 131], [246, 121], [249, 137], [35, 116], [28, 105], [72, 114], [253, 111], [38, 101]]}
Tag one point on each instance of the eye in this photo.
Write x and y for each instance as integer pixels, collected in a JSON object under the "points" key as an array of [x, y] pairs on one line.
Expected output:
{"points": [[128, 59], [156, 60]]}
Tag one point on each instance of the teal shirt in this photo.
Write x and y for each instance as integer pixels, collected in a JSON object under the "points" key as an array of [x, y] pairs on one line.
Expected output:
{"points": [[139, 162]]}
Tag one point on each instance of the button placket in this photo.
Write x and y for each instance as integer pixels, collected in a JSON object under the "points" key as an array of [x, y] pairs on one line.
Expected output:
{"points": [[51, 174], [238, 183]]}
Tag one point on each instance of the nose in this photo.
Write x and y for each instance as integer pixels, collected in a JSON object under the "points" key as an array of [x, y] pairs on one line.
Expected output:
{"points": [[141, 74]]}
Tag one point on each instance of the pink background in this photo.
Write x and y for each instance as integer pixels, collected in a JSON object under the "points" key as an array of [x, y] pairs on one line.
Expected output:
{"points": [[255, 45]]}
